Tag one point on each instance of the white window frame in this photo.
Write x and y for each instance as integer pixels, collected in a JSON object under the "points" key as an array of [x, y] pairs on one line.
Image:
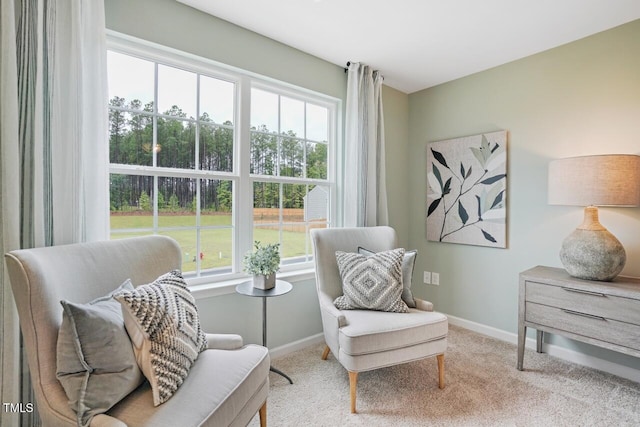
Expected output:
{"points": [[241, 177]]}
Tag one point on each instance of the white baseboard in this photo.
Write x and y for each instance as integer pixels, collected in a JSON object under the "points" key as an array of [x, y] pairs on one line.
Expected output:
{"points": [[296, 345], [552, 350]]}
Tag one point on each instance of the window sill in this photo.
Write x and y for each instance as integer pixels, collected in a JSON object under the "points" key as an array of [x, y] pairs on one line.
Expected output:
{"points": [[209, 290]]}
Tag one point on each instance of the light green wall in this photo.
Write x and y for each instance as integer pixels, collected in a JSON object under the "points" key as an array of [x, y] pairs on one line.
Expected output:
{"points": [[578, 99], [296, 315], [396, 130]]}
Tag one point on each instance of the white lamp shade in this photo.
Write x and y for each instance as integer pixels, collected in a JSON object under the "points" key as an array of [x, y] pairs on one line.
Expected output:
{"points": [[602, 180]]}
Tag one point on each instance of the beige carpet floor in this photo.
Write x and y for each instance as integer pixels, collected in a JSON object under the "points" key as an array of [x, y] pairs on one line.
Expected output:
{"points": [[483, 389]]}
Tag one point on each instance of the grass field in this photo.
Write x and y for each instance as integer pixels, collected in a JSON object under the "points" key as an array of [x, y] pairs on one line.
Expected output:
{"points": [[216, 234]]}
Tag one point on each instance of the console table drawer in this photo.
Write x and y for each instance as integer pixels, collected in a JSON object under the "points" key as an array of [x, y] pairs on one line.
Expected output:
{"points": [[585, 324], [589, 302], [606, 314]]}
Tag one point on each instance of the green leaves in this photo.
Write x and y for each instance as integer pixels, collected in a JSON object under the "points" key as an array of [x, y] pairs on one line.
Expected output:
{"points": [[488, 236], [493, 179], [489, 157], [483, 152], [265, 259], [497, 201], [436, 172], [465, 173], [433, 206], [447, 187], [439, 188], [491, 199], [440, 158], [462, 212]]}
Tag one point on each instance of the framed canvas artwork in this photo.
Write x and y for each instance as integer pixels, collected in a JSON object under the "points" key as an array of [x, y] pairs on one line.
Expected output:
{"points": [[467, 190]]}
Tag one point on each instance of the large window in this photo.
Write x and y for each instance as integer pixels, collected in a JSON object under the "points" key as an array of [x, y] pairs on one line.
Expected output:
{"points": [[194, 147]]}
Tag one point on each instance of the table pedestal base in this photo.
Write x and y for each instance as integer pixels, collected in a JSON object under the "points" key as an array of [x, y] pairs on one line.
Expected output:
{"points": [[280, 288], [279, 372]]}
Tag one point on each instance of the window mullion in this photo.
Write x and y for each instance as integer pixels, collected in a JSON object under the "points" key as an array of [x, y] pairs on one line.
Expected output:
{"points": [[197, 124], [155, 204], [243, 192], [304, 143], [155, 148], [279, 138], [198, 181], [281, 214]]}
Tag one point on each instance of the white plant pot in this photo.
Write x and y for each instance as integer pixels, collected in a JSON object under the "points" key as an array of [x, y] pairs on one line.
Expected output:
{"points": [[264, 282]]}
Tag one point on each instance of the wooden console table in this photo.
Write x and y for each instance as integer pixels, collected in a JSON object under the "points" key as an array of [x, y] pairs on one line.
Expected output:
{"points": [[606, 314]]}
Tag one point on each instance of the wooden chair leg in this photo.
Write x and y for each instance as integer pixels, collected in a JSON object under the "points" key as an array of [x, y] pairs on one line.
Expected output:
{"points": [[325, 353], [263, 415], [353, 382], [440, 358]]}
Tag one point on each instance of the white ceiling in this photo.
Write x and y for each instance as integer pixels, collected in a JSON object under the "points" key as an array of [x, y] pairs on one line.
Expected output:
{"points": [[421, 43]]}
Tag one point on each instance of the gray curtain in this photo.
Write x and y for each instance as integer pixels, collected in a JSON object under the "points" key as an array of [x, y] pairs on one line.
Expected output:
{"points": [[9, 199], [365, 192], [54, 147]]}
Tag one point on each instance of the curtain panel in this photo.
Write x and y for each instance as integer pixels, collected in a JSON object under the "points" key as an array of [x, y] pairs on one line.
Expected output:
{"points": [[53, 143], [365, 193], [9, 200]]}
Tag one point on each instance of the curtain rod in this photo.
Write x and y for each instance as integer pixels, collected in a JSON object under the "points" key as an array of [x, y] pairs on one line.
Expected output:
{"points": [[347, 69]]}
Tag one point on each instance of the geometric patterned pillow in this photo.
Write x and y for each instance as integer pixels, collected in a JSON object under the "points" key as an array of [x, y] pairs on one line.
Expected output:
{"points": [[408, 262], [371, 282], [163, 323]]}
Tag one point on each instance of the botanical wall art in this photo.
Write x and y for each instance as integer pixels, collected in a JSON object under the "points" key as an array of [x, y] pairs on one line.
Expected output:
{"points": [[467, 190]]}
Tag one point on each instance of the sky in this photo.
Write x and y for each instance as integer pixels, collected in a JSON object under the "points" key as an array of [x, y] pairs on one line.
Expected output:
{"points": [[133, 78]]}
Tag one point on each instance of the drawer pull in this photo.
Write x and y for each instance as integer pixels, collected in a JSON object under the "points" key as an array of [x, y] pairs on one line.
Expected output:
{"points": [[580, 291], [577, 313]]}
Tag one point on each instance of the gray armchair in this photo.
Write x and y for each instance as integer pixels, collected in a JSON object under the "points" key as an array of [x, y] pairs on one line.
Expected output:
{"points": [[363, 340], [227, 385]]}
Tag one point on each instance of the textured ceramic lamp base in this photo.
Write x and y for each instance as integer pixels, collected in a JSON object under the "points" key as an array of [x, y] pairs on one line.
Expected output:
{"points": [[591, 252]]}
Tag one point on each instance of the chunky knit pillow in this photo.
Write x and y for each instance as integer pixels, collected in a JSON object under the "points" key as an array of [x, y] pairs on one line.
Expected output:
{"points": [[371, 282], [162, 321]]}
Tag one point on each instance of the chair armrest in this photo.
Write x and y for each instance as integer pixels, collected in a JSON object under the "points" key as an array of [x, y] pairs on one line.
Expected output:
{"points": [[104, 420], [332, 321], [327, 307], [224, 341], [423, 305]]}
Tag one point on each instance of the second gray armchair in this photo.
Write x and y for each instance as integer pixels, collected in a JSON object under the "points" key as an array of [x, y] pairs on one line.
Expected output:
{"points": [[363, 340]]}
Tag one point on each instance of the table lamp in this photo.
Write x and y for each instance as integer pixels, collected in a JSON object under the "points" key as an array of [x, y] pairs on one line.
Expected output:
{"points": [[591, 252]]}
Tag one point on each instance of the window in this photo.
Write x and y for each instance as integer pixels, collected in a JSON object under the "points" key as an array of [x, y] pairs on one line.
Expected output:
{"points": [[289, 162], [190, 161]]}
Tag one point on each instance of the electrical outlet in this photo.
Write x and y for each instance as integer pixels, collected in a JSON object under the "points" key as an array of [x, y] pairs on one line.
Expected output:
{"points": [[435, 279], [427, 277]]}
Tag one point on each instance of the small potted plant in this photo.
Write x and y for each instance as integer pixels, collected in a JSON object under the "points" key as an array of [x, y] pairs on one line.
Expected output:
{"points": [[262, 263]]}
